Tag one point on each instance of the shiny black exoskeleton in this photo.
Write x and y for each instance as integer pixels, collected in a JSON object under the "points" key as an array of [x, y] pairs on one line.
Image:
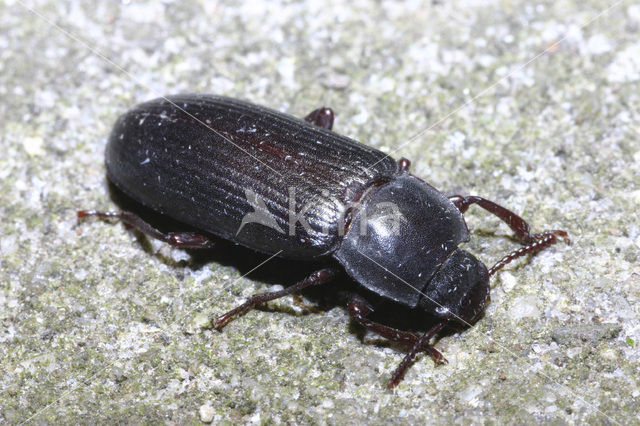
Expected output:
{"points": [[293, 188]]}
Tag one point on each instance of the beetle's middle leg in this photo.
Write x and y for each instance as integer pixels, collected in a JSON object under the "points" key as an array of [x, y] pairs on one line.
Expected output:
{"points": [[187, 240], [319, 277], [360, 308]]}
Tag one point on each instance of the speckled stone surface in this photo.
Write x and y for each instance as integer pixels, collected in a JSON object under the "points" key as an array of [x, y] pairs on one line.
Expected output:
{"points": [[98, 325]]}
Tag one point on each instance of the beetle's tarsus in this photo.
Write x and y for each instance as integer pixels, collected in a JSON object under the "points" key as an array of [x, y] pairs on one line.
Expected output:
{"points": [[556, 232], [359, 308], [538, 243], [186, 240], [421, 345]]}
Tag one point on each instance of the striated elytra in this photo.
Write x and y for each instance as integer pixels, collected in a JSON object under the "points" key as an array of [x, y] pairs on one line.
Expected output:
{"points": [[292, 187]]}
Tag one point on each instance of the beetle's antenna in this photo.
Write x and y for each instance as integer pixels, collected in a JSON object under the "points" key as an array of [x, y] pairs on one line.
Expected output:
{"points": [[540, 242]]}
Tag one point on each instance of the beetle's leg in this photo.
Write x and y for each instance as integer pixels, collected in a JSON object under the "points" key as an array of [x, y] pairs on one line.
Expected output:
{"points": [[360, 308], [540, 242], [298, 301], [319, 277], [187, 240], [515, 222], [321, 117], [423, 341], [403, 165]]}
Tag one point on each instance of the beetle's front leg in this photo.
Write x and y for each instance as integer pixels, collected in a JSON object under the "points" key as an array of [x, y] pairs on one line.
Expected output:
{"points": [[360, 308], [517, 224], [319, 277], [187, 240], [533, 243], [421, 344]]}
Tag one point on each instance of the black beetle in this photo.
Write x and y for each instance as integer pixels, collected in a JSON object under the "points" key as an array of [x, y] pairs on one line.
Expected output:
{"points": [[281, 185]]}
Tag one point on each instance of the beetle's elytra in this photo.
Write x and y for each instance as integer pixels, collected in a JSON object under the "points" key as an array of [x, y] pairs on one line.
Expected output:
{"points": [[292, 187]]}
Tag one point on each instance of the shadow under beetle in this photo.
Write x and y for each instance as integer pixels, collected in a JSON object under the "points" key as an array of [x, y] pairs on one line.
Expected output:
{"points": [[281, 185]]}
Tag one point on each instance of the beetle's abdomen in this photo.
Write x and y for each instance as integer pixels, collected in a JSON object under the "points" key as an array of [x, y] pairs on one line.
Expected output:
{"points": [[242, 172]]}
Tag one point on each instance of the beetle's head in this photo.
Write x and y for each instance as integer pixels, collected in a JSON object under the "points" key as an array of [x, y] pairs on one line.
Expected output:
{"points": [[459, 291]]}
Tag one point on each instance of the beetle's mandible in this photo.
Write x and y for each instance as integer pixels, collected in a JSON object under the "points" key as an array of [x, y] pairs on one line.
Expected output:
{"points": [[278, 184]]}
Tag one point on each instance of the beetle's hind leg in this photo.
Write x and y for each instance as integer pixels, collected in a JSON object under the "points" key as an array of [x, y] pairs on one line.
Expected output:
{"points": [[360, 308], [187, 240], [319, 277]]}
